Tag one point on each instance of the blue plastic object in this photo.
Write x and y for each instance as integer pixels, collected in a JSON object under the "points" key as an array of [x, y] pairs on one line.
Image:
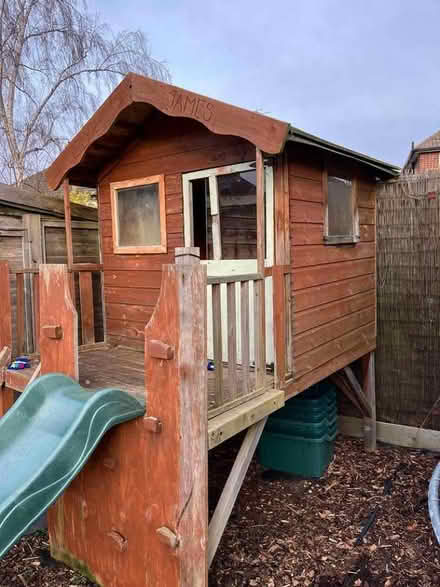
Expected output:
{"points": [[45, 440]]}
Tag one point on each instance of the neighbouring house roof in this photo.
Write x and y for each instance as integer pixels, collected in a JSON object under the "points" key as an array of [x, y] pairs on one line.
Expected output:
{"points": [[123, 116], [429, 145], [34, 202]]}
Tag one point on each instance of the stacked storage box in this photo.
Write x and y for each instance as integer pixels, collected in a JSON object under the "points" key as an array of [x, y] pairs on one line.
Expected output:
{"points": [[299, 438]]}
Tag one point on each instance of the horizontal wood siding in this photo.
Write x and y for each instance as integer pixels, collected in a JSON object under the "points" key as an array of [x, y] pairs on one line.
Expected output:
{"points": [[171, 147], [334, 287]]}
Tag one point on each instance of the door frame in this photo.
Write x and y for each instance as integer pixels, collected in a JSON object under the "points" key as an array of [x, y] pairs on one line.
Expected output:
{"points": [[210, 174]]}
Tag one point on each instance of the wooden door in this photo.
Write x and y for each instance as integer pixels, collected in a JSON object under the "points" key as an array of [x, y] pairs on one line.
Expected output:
{"points": [[220, 219]]}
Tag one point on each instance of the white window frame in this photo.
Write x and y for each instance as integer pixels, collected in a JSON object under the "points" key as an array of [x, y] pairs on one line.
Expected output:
{"points": [[133, 183], [211, 174], [348, 238]]}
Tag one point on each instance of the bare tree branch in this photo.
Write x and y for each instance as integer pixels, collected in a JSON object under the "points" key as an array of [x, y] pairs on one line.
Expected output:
{"points": [[56, 62]]}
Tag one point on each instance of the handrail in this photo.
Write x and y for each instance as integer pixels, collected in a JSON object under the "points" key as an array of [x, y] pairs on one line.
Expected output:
{"points": [[213, 280]]}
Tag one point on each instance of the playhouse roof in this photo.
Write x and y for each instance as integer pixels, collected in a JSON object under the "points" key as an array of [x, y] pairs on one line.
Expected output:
{"points": [[117, 122]]}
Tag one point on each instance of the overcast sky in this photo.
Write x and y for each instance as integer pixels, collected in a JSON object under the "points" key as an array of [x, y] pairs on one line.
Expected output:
{"points": [[362, 73]]}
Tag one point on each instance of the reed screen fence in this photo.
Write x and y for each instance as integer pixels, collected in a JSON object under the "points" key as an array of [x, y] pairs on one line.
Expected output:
{"points": [[408, 298]]}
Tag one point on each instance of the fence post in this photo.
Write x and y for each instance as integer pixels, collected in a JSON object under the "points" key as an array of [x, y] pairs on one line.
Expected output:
{"points": [[177, 457], [58, 323]]}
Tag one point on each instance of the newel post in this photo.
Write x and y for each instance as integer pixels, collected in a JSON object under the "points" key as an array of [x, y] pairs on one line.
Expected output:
{"points": [[58, 322], [177, 422]]}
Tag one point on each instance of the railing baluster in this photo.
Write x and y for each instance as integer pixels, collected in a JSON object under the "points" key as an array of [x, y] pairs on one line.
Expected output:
{"points": [[217, 336], [244, 309], [20, 313], [86, 301], [36, 310], [232, 342], [260, 334]]}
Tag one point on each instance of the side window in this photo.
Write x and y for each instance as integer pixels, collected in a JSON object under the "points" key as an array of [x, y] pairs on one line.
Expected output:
{"points": [[341, 214], [138, 215]]}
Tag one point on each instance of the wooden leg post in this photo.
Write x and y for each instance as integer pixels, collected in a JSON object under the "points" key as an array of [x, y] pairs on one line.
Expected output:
{"points": [[232, 487], [370, 393]]}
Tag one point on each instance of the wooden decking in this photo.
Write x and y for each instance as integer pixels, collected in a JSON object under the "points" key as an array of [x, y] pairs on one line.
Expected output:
{"points": [[102, 366]]}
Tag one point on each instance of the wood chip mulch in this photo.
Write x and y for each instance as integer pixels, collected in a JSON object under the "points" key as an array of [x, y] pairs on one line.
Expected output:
{"points": [[287, 532]]}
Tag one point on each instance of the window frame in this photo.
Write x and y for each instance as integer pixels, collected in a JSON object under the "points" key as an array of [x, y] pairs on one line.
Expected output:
{"points": [[132, 183], [211, 173], [348, 238]]}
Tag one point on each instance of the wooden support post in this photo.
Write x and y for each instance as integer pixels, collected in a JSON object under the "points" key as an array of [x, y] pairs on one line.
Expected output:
{"points": [[279, 324], [232, 487], [357, 389], [68, 223], [368, 364], [59, 322], [36, 310], [5, 313], [6, 394], [177, 523], [20, 315], [259, 286], [261, 215], [87, 310]]}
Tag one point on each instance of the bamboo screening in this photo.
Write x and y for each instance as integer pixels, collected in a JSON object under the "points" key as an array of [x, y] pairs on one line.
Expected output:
{"points": [[408, 297]]}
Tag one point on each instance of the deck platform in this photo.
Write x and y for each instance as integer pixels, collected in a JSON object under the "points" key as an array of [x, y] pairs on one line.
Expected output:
{"points": [[104, 366]]}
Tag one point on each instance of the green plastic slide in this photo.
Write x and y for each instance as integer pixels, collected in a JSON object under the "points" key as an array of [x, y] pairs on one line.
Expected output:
{"points": [[45, 440]]}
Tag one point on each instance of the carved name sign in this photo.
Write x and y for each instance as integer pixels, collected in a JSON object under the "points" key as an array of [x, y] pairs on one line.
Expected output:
{"points": [[187, 104]]}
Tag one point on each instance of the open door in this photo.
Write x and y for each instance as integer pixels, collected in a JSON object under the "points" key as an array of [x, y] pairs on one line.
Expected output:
{"points": [[220, 215]]}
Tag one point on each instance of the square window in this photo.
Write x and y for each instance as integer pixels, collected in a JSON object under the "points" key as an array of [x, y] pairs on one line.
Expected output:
{"points": [[138, 214], [342, 220]]}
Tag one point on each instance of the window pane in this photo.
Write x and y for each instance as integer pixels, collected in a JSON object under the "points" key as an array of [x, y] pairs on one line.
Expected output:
{"points": [[139, 216], [340, 209], [238, 214]]}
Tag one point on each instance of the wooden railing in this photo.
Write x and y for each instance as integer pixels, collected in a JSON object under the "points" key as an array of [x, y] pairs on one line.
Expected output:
{"points": [[239, 362], [27, 307]]}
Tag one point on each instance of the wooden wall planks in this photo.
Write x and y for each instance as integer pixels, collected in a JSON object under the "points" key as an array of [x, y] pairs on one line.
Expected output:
{"points": [[334, 301], [172, 147]]}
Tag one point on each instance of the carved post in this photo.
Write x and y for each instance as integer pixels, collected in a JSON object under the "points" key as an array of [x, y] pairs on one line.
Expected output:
{"points": [[177, 456], [58, 323]]}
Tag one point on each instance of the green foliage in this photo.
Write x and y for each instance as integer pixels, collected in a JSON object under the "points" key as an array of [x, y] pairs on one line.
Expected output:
{"points": [[83, 197]]}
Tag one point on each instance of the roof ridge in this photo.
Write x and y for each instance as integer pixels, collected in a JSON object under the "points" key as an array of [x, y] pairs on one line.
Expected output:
{"points": [[428, 142]]}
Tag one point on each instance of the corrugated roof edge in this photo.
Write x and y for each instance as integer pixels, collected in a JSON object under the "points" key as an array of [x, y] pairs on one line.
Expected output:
{"points": [[299, 136]]}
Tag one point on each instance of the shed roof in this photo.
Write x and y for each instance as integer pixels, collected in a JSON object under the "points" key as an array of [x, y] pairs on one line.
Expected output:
{"points": [[122, 118], [32, 201]]}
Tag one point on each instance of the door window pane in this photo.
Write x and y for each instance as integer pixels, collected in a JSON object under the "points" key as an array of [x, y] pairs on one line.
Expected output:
{"points": [[237, 196]]}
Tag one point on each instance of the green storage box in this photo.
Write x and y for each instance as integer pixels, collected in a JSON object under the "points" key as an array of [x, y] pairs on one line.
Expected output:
{"points": [[301, 414], [305, 457], [303, 429]]}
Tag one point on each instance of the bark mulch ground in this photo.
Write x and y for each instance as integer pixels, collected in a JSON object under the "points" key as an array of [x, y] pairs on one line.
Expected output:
{"points": [[292, 532]]}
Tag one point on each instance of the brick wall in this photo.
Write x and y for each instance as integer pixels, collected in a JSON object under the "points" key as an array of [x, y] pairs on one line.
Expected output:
{"points": [[427, 161]]}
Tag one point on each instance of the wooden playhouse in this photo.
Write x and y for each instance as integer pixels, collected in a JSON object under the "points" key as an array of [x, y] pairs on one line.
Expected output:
{"points": [[228, 239]]}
